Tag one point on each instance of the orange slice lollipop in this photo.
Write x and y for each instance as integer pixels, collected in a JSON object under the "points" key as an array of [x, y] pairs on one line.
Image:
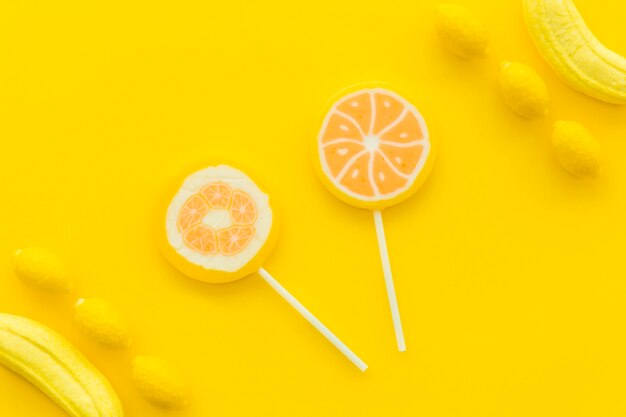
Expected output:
{"points": [[373, 148], [372, 151], [219, 225]]}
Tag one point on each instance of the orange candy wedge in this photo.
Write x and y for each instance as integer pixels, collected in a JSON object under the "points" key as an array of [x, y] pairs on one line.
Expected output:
{"points": [[217, 194], [242, 209], [234, 239], [201, 238], [194, 209]]}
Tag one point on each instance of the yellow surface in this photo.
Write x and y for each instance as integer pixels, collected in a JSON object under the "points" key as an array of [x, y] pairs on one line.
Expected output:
{"points": [[509, 272]]}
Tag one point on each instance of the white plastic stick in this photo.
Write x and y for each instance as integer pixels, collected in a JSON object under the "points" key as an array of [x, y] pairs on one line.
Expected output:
{"points": [[313, 320], [391, 291]]}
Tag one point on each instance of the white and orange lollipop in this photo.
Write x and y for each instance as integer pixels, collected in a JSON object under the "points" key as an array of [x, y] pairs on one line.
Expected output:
{"points": [[373, 151], [218, 226]]}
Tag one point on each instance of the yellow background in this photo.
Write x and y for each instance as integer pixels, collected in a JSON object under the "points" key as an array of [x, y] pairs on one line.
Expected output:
{"points": [[510, 273]]}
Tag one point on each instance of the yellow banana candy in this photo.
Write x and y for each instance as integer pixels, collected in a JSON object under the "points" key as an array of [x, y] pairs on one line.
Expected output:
{"points": [[53, 365], [571, 49]]}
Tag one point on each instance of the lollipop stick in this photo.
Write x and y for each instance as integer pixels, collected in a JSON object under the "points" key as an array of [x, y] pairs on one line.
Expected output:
{"points": [[313, 320], [391, 291]]}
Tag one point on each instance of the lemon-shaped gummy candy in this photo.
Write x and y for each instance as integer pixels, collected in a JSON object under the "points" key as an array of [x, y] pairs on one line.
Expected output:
{"points": [[103, 322], [159, 382], [576, 149], [41, 269], [461, 31], [523, 90]]}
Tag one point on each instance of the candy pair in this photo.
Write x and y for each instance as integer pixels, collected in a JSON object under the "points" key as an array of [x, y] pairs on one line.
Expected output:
{"points": [[372, 151]]}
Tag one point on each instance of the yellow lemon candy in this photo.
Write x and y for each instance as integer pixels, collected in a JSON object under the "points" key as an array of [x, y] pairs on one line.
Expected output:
{"points": [[523, 90], [461, 31], [576, 149], [159, 382], [103, 322], [42, 269]]}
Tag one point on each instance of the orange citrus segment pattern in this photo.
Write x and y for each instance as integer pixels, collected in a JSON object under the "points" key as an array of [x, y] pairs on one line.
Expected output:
{"points": [[356, 176], [407, 130], [218, 194], [243, 209], [339, 127], [404, 159], [385, 178], [192, 212], [233, 239], [228, 241], [339, 152], [373, 144], [359, 108], [388, 109], [201, 238]]}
